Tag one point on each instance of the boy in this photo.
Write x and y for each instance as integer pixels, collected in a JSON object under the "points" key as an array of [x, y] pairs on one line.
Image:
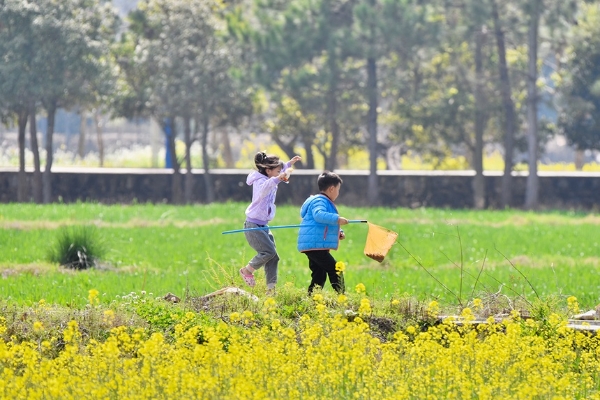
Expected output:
{"points": [[320, 232]]}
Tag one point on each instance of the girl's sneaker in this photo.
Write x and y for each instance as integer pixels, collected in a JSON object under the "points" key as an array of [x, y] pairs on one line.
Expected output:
{"points": [[249, 279]]}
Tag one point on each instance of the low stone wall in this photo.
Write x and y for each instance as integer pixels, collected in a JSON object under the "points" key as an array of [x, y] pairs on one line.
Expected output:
{"points": [[446, 189]]}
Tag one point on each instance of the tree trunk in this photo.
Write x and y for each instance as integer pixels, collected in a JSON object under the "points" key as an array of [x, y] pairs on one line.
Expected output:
{"points": [[479, 181], [227, 152], [22, 176], [334, 129], [98, 124], [532, 189], [579, 159], [82, 129], [372, 184], [393, 157], [176, 195], [189, 178], [47, 177], [210, 193], [288, 148], [509, 111], [37, 172], [309, 162]]}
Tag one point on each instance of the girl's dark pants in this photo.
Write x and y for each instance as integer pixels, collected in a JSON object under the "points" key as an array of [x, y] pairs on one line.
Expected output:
{"points": [[322, 265]]}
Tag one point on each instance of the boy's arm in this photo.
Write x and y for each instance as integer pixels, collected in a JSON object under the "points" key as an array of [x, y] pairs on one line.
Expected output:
{"points": [[322, 216]]}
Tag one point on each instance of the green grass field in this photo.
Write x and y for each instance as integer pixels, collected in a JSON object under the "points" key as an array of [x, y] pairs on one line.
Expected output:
{"points": [[449, 255]]}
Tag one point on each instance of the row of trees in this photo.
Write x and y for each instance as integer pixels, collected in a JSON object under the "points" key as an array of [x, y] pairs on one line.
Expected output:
{"points": [[439, 77]]}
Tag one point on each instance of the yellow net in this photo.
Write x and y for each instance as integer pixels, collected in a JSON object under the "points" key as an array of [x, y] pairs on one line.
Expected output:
{"points": [[379, 241]]}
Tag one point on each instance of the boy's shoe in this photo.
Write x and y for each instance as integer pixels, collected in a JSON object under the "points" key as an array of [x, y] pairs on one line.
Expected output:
{"points": [[249, 279]]}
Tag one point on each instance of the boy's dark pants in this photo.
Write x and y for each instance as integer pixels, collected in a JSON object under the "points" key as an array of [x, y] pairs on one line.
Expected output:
{"points": [[322, 264]]}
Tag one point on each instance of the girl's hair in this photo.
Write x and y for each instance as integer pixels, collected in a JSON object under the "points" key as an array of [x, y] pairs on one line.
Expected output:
{"points": [[264, 162]]}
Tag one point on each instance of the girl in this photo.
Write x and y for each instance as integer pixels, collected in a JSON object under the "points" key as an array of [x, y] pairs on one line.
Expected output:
{"points": [[264, 182]]}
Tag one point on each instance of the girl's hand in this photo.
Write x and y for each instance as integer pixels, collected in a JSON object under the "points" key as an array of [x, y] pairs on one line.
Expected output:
{"points": [[295, 159]]}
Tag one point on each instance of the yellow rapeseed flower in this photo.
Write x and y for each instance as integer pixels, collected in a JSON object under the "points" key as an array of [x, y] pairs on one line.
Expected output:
{"points": [[247, 316], [467, 314], [573, 304], [109, 316], [365, 307], [93, 296], [340, 267], [270, 306], [275, 324], [433, 309], [360, 288], [38, 326], [71, 334], [323, 357]]}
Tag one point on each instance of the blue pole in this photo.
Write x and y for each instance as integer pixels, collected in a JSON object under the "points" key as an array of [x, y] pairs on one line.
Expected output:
{"points": [[168, 133], [353, 221]]}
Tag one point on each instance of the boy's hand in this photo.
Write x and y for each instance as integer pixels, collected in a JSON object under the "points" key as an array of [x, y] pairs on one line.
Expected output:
{"points": [[342, 235], [295, 159], [342, 221]]}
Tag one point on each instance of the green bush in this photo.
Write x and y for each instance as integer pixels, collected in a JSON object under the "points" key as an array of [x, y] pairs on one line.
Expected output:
{"points": [[77, 247]]}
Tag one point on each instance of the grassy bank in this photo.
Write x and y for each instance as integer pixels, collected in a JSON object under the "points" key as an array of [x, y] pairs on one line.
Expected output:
{"points": [[448, 255]]}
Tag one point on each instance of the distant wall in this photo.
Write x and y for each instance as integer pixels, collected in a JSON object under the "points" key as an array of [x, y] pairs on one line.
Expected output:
{"points": [[579, 191]]}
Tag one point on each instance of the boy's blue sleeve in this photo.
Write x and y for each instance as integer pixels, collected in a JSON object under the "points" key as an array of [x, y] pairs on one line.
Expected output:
{"points": [[322, 216]]}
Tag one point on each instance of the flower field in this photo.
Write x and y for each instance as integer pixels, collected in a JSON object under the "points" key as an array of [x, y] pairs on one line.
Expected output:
{"points": [[110, 333], [323, 354]]}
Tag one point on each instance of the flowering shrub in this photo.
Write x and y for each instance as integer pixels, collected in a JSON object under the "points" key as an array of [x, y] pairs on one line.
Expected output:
{"points": [[323, 354]]}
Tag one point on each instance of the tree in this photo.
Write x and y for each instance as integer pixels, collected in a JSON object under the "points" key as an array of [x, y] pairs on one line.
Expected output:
{"points": [[303, 46], [188, 75], [534, 12], [68, 44], [580, 90], [16, 75], [469, 32], [288, 126], [98, 95], [412, 33], [555, 16], [36, 182], [442, 82], [510, 118], [368, 14]]}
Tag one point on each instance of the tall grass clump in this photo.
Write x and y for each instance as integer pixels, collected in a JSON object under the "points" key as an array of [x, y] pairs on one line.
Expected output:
{"points": [[77, 247]]}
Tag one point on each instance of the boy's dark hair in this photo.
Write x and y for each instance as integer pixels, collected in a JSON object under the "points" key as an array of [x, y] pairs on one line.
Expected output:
{"points": [[328, 179], [264, 162]]}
